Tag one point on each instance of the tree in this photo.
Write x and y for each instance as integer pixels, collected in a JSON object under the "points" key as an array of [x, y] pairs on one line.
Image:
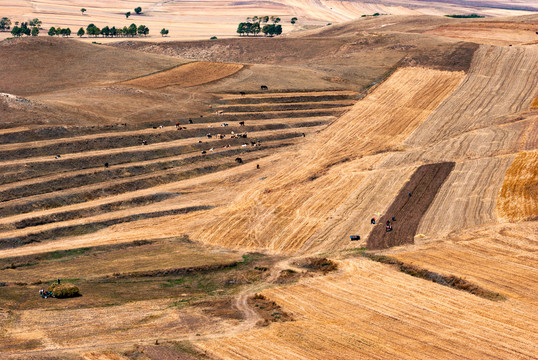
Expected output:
{"points": [[82, 11], [68, 32], [275, 19], [141, 29], [265, 19], [35, 31], [35, 22], [16, 31], [24, 29], [81, 32], [127, 14], [131, 30], [138, 10], [255, 28], [5, 24], [113, 31], [52, 31], [164, 31], [105, 31], [241, 28], [293, 20]]}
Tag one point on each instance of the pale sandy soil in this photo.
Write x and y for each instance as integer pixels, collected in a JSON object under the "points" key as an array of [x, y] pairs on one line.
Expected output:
{"points": [[206, 18]]}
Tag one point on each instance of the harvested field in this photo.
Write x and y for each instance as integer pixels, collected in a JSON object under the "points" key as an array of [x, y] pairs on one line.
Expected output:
{"points": [[409, 206], [501, 81], [499, 257], [518, 198], [368, 310], [191, 74], [490, 32], [467, 198], [324, 174]]}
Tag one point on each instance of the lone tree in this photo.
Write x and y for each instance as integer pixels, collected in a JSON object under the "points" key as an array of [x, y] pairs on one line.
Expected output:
{"points": [[82, 11], [127, 14], [164, 32], [138, 10], [81, 32], [35, 31], [52, 31], [293, 20]]}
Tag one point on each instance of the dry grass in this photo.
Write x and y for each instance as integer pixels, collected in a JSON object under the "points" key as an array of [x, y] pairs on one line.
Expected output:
{"points": [[191, 74]]}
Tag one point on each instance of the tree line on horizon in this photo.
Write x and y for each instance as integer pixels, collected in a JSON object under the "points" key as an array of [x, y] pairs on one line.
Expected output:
{"points": [[131, 30], [254, 25], [31, 27]]}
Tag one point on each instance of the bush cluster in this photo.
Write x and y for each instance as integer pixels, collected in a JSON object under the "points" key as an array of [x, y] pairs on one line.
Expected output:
{"points": [[253, 25]]}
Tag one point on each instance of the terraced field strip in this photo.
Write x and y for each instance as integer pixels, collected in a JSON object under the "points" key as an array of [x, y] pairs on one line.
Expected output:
{"points": [[23, 174], [87, 225], [232, 98], [117, 186], [124, 140], [368, 310], [409, 206], [313, 183], [281, 98], [265, 106], [501, 81], [97, 158], [518, 197]]}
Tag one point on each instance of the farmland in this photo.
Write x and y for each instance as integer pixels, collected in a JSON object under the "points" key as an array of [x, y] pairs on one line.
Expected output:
{"points": [[202, 194]]}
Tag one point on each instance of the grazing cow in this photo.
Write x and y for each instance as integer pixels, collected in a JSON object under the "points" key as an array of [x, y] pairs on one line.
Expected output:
{"points": [[264, 87], [190, 121], [177, 125], [241, 123], [244, 145], [242, 93], [199, 141], [160, 126], [304, 135], [203, 152], [57, 157], [211, 149], [155, 127], [253, 143], [239, 160], [257, 166], [209, 136], [144, 142], [106, 165], [201, 115], [224, 124]]}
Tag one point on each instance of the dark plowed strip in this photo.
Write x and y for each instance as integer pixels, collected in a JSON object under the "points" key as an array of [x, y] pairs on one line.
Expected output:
{"points": [[75, 230], [19, 172], [408, 210], [85, 194], [293, 99], [283, 107], [114, 142], [91, 211]]}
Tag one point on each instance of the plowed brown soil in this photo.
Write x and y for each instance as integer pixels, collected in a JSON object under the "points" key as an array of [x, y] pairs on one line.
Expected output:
{"points": [[409, 206]]}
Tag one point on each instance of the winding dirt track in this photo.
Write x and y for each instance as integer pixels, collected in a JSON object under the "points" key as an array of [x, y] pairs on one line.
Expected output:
{"points": [[369, 310]]}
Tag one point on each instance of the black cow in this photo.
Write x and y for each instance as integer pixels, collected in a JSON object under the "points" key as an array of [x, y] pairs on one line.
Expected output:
{"points": [[241, 123], [239, 160], [264, 87], [242, 93]]}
